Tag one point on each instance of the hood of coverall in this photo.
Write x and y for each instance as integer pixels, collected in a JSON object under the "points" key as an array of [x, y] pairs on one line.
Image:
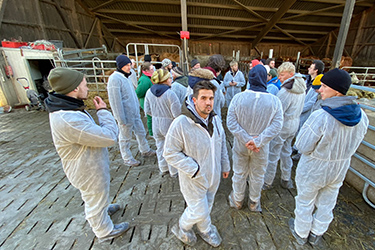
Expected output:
{"points": [[55, 102], [258, 78], [159, 89], [343, 109], [296, 84]]}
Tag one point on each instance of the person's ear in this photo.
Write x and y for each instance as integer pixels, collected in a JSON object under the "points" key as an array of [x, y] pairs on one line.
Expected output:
{"points": [[194, 99]]}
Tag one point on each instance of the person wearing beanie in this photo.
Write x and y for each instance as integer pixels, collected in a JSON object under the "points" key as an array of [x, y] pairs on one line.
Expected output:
{"points": [[327, 141], [195, 64], [163, 105], [234, 80], [254, 118], [76, 136], [166, 64], [292, 97], [196, 146], [179, 84], [144, 83], [216, 64], [273, 83], [125, 106], [315, 69]]}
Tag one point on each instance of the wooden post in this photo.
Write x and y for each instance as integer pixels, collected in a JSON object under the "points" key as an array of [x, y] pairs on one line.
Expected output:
{"points": [[358, 34], [328, 44], [343, 33], [184, 60], [40, 19]]}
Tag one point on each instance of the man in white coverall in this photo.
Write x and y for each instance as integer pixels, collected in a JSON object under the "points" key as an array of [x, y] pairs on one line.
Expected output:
{"points": [[327, 141], [195, 145], [81, 145], [255, 117], [292, 97], [125, 107]]}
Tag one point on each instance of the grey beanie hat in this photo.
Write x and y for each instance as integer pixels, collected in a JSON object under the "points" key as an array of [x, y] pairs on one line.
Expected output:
{"points": [[165, 62], [194, 62], [64, 80]]}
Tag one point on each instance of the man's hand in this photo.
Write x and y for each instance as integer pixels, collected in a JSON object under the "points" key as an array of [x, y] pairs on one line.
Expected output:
{"points": [[225, 175], [99, 103], [251, 145]]}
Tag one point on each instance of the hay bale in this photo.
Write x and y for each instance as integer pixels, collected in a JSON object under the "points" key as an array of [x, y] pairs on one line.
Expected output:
{"points": [[93, 91]]}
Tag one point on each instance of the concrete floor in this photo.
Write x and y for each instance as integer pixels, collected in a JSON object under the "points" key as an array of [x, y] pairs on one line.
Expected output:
{"points": [[39, 209]]}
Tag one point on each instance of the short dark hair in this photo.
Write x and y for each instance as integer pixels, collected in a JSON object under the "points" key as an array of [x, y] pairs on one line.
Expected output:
{"points": [[216, 62], [204, 84], [146, 66], [319, 65], [269, 60]]}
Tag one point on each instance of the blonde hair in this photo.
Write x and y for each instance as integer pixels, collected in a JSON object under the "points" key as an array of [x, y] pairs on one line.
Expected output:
{"points": [[232, 63], [160, 76], [286, 67]]}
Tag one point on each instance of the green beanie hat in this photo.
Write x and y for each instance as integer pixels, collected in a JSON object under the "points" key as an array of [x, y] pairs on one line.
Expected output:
{"points": [[64, 80]]}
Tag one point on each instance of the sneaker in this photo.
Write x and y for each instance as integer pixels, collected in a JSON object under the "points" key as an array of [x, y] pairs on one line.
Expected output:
{"points": [[287, 184], [212, 237], [232, 203], [118, 229], [266, 186], [188, 237], [254, 206], [296, 157], [132, 163], [151, 152], [300, 241], [314, 239], [113, 208]]}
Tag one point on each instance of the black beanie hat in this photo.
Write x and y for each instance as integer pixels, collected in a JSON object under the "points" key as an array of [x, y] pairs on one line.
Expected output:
{"points": [[147, 58], [194, 62], [122, 60], [338, 80], [64, 80]]}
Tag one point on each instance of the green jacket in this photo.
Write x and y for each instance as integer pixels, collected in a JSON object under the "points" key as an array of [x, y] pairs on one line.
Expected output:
{"points": [[144, 83]]}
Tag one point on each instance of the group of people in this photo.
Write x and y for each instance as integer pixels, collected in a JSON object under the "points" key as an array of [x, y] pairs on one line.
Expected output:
{"points": [[184, 118]]}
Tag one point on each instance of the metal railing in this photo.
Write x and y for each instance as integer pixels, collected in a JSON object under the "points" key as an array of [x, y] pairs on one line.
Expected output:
{"points": [[363, 74], [146, 51], [367, 181]]}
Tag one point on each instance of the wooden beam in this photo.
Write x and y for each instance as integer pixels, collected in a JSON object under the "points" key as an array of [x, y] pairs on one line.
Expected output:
{"points": [[344, 28], [364, 43], [40, 19], [136, 26], [275, 18], [91, 32], [346, 52], [102, 5], [359, 33], [328, 44], [67, 24]]}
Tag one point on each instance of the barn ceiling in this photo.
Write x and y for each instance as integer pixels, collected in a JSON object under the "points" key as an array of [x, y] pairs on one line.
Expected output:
{"points": [[278, 21]]}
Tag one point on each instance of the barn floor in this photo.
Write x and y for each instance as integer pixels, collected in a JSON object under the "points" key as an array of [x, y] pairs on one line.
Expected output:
{"points": [[39, 209]]}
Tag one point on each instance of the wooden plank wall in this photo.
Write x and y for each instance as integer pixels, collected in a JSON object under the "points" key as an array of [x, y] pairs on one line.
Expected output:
{"points": [[53, 20], [360, 43]]}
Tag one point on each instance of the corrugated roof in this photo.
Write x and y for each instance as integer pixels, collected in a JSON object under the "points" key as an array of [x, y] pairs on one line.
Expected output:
{"points": [[245, 20]]}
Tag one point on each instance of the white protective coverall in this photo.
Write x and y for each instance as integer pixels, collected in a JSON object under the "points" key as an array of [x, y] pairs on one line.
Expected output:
{"points": [[292, 101], [179, 90], [327, 146], [310, 100], [231, 91], [189, 146], [81, 145], [163, 109], [125, 107], [252, 114], [133, 78]]}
